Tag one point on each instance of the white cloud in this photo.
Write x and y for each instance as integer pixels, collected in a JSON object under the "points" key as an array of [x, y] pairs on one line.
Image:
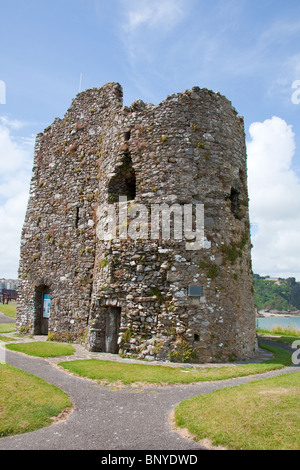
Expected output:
{"points": [[154, 14], [145, 24], [16, 155], [11, 154], [274, 190], [279, 32], [11, 123]]}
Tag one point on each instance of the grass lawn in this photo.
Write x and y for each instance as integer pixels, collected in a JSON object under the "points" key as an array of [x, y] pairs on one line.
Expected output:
{"points": [[6, 338], [284, 335], [9, 309], [27, 402], [116, 372], [7, 327], [262, 415], [42, 349]]}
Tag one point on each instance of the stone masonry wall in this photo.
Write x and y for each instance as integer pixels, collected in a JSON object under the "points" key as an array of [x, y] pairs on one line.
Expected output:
{"points": [[131, 295]]}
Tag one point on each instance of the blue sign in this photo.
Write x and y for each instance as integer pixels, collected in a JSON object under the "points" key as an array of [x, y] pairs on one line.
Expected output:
{"points": [[46, 306]]}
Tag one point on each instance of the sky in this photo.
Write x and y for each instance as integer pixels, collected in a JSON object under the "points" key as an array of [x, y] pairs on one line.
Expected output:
{"points": [[248, 50]]}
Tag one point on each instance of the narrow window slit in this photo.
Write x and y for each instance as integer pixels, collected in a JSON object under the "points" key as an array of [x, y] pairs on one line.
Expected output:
{"points": [[235, 202], [77, 217]]}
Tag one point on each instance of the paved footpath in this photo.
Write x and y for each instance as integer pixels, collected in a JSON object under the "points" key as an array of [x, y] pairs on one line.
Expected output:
{"points": [[106, 419], [5, 319]]}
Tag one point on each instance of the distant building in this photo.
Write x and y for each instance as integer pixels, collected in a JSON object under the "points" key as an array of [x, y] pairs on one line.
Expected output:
{"points": [[9, 284]]}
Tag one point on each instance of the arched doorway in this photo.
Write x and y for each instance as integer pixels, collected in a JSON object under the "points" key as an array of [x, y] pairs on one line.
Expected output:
{"points": [[104, 330], [42, 303]]}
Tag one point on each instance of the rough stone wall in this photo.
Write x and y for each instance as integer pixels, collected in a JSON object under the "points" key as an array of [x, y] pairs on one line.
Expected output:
{"points": [[58, 239], [131, 295]]}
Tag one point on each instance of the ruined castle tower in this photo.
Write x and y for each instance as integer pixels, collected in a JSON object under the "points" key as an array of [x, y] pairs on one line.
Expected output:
{"points": [[93, 270]]}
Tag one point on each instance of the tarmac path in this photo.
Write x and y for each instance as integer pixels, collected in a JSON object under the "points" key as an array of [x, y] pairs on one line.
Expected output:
{"points": [[103, 418], [5, 319]]}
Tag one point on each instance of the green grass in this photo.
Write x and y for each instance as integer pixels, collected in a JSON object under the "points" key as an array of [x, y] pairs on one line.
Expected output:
{"points": [[9, 309], [262, 415], [6, 339], [27, 402], [7, 327], [285, 335], [42, 349], [115, 372]]}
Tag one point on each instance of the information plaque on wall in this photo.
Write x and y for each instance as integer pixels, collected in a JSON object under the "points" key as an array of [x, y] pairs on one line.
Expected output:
{"points": [[46, 306]]}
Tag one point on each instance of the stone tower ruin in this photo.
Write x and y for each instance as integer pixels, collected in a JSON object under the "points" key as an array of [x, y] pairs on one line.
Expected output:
{"points": [[133, 290]]}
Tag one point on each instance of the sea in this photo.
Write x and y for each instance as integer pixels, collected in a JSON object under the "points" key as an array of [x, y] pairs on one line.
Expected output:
{"points": [[268, 323]]}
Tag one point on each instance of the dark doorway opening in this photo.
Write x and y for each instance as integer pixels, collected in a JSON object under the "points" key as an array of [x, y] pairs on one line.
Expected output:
{"points": [[42, 303], [112, 329], [105, 329]]}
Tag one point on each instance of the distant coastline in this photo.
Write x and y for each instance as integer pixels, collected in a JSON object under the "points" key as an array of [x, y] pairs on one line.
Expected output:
{"points": [[276, 313]]}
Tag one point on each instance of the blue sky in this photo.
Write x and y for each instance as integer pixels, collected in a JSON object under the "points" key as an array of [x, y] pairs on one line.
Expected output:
{"points": [[248, 50]]}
